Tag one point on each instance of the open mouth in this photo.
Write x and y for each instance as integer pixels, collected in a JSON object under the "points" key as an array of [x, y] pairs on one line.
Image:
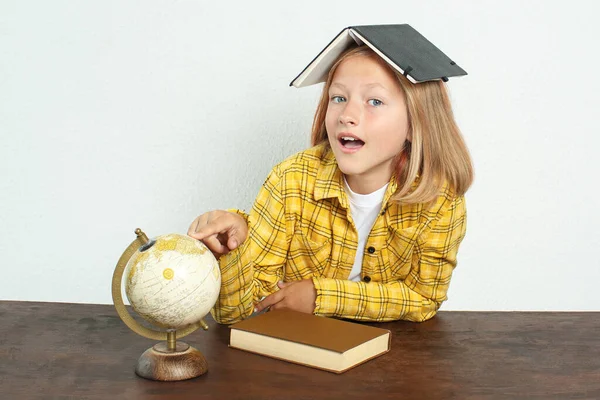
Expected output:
{"points": [[351, 143]]}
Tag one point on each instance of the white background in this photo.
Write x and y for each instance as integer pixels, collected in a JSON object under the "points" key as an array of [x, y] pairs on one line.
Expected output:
{"points": [[123, 114]]}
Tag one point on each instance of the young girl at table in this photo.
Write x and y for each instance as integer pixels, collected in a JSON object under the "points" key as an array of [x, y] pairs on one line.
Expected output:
{"points": [[365, 225]]}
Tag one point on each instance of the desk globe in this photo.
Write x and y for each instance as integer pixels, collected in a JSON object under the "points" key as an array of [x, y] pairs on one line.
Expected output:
{"points": [[172, 281]]}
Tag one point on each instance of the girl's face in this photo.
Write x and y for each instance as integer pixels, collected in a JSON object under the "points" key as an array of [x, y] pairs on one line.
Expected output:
{"points": [[366, 122]]}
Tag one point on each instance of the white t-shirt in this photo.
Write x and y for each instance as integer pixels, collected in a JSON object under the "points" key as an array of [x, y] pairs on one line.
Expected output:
{"points": [[364, 209]]}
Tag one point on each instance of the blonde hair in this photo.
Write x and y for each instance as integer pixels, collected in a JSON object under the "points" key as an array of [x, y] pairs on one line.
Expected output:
{"points": [[437, 152]]}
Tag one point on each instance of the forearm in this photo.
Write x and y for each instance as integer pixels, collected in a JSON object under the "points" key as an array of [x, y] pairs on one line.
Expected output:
{"points": [[372, 301], [415, 297], [244, 283], [236, 296]]}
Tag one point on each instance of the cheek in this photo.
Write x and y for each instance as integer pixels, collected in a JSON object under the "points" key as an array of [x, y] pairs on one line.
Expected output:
{"points": [[391, 133], [402, 121], [330, 122], [404, 129]]}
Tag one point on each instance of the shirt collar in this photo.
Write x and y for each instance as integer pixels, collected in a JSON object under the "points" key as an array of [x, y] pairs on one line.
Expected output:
{"points": [[330, 181]]}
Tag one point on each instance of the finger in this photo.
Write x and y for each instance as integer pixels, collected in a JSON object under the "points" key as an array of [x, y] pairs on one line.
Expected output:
{"points": [[234, 239], [282, 284], [214, 245], [198, 223], [269, 301], [215, 226], [238, 231], [193, 226], [231, 236]]}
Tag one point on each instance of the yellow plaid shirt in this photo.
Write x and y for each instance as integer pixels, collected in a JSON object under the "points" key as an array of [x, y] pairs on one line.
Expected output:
{"points": [[301, 228]]}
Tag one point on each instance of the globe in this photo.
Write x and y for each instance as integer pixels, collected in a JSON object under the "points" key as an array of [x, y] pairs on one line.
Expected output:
{"points": [[172, 281]]}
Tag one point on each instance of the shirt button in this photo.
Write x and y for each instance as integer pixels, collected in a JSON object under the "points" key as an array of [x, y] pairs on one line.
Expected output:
{"points": [[367, 278], [371, 249]]}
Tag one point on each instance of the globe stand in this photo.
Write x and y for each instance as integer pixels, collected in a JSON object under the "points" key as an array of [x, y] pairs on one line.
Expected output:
{"points": [[171, 361], [165, 361]]}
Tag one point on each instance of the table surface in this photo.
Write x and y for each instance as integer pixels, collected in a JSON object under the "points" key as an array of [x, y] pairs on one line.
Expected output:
{"points": [[84, 351]]}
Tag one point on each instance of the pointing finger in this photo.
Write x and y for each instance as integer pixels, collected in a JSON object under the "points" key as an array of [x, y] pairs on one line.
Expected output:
{"points": [[215, 226], [194, 226]]}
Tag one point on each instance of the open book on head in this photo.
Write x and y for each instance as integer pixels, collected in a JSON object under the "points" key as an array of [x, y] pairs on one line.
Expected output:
{"points": [[401, 46]]}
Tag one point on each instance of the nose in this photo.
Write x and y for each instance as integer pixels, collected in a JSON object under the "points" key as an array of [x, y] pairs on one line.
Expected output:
{"points": [[350, 115]]}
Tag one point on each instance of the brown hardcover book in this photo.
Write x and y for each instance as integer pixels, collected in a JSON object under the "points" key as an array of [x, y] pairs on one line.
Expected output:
{"points": [[325, 343]]}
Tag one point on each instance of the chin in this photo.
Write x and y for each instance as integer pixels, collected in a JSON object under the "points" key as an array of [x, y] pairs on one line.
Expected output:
{"points": [[348, 170]]}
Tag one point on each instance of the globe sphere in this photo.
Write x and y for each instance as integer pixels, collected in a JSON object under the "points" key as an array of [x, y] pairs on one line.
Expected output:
{"points": [[172, 281]]}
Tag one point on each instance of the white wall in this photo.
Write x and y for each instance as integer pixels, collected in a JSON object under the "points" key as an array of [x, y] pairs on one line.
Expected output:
{"points": [[119, 114]]}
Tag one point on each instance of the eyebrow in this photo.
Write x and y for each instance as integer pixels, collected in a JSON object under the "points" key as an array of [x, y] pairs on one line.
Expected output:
{"points": [[368, 86]]}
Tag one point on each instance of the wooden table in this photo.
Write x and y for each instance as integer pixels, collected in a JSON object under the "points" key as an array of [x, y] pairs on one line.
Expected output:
{"points": [[84, 351]]}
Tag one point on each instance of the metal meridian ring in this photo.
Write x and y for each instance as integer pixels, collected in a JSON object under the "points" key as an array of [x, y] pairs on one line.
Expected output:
{"points": [[122, 310]]}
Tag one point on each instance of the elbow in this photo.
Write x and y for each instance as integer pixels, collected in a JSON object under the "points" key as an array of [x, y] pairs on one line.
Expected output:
{"points": [[227, 315], [427, 311]]}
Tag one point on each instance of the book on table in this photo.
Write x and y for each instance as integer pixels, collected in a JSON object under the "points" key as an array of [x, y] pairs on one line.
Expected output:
{"points": [[320, 342]]}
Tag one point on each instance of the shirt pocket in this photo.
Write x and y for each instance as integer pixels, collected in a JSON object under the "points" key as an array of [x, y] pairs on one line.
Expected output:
{"points": [[399, 251], [308, 256]]}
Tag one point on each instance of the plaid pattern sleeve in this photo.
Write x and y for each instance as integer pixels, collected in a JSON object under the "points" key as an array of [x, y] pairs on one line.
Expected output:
{"points": [[419, 295], [253, 269]]}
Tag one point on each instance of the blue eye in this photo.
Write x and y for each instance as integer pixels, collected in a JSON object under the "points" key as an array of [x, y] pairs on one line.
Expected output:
{"points": [[375, 102], [337, 99]]}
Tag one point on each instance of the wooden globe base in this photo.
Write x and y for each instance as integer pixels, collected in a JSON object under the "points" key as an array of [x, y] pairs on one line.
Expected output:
{"points": [[158, 363]]}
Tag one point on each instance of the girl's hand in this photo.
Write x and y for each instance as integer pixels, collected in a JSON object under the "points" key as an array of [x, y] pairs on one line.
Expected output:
{"points": [[296, 295], [221, 231]]}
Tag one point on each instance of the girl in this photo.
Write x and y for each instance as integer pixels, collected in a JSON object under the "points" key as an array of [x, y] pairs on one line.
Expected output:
{"points": [[366, 224]]}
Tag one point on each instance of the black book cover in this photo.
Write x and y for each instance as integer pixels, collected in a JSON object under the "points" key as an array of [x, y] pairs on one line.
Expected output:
{"points": [[401, 46]]}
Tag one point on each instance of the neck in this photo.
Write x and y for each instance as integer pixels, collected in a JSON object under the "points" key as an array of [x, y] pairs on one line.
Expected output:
{"points": [[365, 185]]}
